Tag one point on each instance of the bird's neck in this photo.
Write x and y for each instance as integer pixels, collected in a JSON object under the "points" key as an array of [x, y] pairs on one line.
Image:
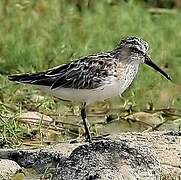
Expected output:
{"points": [[127, 66], [126, 74]]}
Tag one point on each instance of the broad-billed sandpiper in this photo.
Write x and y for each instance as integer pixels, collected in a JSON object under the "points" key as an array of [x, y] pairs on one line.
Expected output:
{"points": [[94, 77]]}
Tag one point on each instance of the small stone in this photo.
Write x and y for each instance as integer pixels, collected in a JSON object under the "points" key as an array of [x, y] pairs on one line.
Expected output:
{"points": [[8, 168], [35, 117]]}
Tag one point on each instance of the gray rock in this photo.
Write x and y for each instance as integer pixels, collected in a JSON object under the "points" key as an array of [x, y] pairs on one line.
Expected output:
{"points": [[124, 156], [8, 169], [167, 146], [106, 159]]}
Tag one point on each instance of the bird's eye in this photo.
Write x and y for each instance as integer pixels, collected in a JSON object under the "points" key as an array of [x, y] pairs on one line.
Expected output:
{"points": [[134, 49]]}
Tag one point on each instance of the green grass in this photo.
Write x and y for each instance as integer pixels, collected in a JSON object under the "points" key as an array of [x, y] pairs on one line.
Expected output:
{"points": [[37, 35]]}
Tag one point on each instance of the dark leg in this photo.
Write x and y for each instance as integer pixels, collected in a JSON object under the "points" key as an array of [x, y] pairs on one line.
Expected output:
{"points": [[84, 118]]}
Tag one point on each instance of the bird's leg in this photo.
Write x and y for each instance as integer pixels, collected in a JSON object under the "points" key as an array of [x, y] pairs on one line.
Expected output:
{"points": [[85, 122]]}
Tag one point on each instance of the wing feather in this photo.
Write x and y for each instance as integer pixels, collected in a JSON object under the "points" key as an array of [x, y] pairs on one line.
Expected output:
{"points": [[88, 74], [85, 73]]}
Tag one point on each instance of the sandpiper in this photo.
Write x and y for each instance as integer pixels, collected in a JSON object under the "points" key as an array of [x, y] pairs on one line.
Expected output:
{"points": [[94, 77]]}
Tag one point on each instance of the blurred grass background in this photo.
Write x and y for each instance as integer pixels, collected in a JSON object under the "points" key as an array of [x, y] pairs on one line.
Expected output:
{"points": [[39, 34]]}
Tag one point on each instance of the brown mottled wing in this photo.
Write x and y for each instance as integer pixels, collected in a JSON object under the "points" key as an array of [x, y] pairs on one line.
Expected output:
{"points": [[87, 73]]}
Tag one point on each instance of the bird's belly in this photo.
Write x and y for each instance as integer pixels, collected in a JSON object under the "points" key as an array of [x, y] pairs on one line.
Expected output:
{"points": [[109, 90], [86, 95]]}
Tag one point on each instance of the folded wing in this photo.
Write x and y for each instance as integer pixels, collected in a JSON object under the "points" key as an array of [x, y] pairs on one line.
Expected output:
{"points": [[86, 73]]}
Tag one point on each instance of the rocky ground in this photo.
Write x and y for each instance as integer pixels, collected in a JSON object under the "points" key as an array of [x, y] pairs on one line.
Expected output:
{"points": [[154, 155]]}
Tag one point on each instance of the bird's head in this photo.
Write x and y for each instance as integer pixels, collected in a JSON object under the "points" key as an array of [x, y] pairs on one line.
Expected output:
{"points": [[135, 49]]}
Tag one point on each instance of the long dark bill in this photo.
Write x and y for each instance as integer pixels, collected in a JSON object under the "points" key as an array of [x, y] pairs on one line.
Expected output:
{"points": [[150, 63]]}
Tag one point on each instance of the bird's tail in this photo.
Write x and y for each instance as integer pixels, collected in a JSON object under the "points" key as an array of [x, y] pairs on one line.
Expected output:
{"points": [[26, 78]]}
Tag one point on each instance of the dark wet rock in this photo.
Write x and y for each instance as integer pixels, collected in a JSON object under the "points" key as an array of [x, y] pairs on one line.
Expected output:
{"points": [[110, 160], [38, 159]]}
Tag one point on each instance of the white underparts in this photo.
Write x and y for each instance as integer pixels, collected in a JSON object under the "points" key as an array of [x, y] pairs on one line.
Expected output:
{"points": [[111, 88]]}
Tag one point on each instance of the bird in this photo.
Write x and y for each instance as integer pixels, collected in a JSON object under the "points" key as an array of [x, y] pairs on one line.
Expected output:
{"points": [[94, 77]]}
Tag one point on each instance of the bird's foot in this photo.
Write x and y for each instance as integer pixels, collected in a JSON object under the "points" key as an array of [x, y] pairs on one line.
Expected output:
{"points": [[101, 137], [88, 138], [91, 139], [97, 138]]}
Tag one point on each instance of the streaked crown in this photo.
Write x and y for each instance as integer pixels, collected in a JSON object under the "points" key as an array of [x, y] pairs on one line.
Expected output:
{"points": [[134, 43]]}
